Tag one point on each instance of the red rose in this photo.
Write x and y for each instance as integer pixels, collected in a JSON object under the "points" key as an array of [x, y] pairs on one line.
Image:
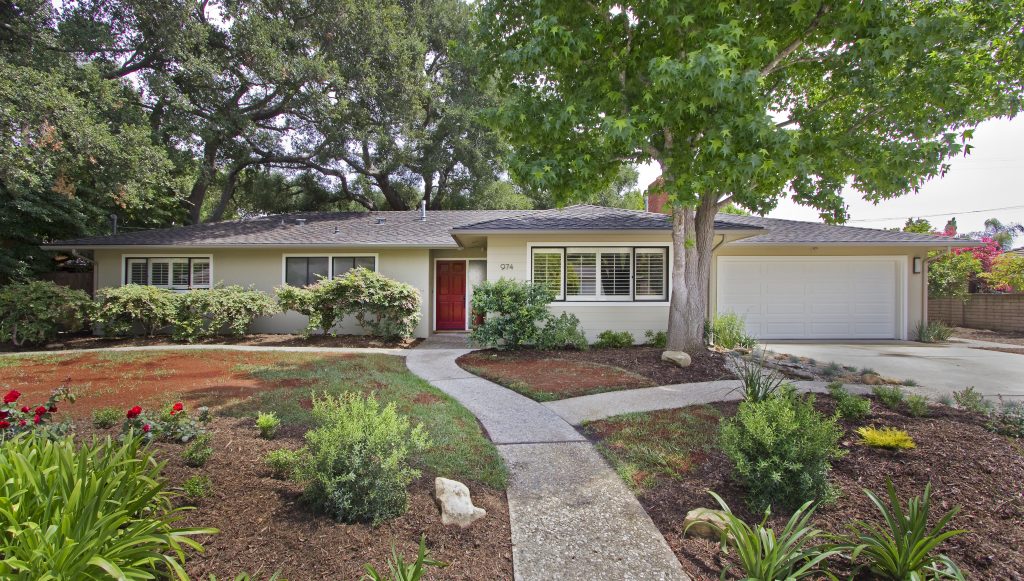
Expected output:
{"points": [[134, 412], [12, 396], [21, 422], [40, 410], [53, 409], [24, 409], [178, 407], [3, 414], [146, 428], [36, 420], [4, 424]]}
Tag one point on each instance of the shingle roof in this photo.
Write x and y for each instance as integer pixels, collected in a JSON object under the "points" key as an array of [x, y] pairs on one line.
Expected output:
{"points": [[586, 217], [406, 229]]}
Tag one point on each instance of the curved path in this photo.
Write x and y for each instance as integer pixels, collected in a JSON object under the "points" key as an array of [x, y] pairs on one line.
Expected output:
{"points": [[572, 516]]}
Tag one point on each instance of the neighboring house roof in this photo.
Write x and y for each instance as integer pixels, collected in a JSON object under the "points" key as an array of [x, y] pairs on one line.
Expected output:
{"points": [[407, 229]]}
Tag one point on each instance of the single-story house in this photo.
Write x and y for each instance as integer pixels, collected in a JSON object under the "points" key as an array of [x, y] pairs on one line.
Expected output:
{"points": [[611, 267]]}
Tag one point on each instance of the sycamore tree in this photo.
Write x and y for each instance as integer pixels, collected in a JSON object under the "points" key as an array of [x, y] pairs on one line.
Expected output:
{"points": [[746, 102]]}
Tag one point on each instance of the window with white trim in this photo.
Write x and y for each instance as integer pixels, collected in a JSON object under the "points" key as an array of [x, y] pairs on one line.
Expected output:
{"points": [[175, 273], [307, 270], [603, 274]]}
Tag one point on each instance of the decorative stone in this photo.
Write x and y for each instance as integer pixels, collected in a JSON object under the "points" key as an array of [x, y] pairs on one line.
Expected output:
{"points": [[680, 358], [705, 522], [456, 506]]}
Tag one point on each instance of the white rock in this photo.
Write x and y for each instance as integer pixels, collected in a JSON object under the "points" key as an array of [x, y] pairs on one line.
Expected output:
{"points": [[680, 358], [705, 522], [456, 506]]}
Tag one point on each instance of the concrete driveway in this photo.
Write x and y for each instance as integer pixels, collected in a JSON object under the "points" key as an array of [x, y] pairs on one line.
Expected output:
{"points": [[937, 368]]}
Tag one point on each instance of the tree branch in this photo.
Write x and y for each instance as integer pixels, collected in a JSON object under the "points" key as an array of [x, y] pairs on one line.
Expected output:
{"points": [[797, 43]]}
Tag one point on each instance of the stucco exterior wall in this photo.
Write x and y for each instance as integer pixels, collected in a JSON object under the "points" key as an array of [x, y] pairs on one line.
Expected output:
{"points": [[263, 269]]}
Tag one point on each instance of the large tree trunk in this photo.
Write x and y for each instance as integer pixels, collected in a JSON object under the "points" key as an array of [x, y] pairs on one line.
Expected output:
{"points": [[693, 234], [198, 194], [230, 183]]}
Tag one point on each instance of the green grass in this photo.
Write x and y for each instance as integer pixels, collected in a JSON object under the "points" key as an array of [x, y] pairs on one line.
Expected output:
{"points": [[47, 359], [644, 446], [459, 449]]}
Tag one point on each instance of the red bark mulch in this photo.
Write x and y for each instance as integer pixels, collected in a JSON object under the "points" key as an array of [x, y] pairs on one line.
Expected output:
{"points": [[548, 375], [89, 341], [967, 466], [986, 335]]}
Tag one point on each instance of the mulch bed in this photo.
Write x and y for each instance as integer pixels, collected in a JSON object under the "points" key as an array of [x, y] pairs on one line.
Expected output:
{"points": [[88, 341], [570, 373], [967, 466], [125, 379], [986, 335], [264, 526]]}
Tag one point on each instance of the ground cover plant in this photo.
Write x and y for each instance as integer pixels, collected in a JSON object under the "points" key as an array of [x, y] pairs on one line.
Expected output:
{"points": [[614, 339], [245, 500], [967, 464]]}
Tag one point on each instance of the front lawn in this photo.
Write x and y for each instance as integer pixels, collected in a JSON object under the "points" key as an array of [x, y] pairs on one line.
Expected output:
{"points": [[671, 458], [264, 523], [552, 375]]}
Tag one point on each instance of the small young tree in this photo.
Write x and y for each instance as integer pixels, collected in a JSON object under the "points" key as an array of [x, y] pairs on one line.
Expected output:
{"points": [[746, 102]]}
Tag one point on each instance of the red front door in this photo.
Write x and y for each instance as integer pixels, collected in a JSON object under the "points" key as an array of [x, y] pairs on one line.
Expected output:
{"points": [[451, 295]]}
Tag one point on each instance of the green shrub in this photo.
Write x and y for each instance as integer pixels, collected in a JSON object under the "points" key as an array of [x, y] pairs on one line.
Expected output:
{"points": [[268, 423], [833, 369], [945, 399], [891, 396], [205, 313], [933, 332], [1007, 419], [614, 339], [124, 309], [282, 463], [514, 311], [358, 458], [972, 400], [917, 405], [381, 306], [903, 547], [562, 332], [782, 450], [197, 487], [849, 406], [657, 339], [106, 417], [758, 383], [34, 312], [792, 554], [198, 451], [402, 571], [728, 331], [84, 511], [888, 438]]}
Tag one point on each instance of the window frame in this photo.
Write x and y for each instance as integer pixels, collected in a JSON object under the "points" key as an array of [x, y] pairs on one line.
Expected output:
{"points": [[609, 247], [170, 259], [330, 256]]}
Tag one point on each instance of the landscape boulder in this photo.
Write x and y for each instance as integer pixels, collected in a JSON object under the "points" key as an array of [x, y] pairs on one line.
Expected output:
{"points": [[705, 522], [456, 506], [680, 358]]}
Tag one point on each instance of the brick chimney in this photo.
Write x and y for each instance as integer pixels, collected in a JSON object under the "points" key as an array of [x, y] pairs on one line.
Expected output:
{"points": [[656, 199]]}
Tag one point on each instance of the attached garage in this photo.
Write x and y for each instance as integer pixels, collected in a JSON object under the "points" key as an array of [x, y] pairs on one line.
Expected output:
{"points": [[815, 297]]}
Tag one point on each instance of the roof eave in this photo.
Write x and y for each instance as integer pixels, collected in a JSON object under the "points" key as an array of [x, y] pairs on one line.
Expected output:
{"points": [[271, 246], [522, 231], [916, 243]]}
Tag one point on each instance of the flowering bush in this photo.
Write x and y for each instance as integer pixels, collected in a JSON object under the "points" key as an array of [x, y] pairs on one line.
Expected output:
{"points": [[384, 307], [34, 312], [17, 417], [172, 423]]}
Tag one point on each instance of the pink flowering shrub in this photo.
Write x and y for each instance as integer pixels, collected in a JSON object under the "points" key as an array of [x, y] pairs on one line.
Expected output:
{"points": [[17, 417]]}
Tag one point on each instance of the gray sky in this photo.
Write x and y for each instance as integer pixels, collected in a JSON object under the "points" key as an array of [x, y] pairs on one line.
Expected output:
{"points": [[987, 183]]}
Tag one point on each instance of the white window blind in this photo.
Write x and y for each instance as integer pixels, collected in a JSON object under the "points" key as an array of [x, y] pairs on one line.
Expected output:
{"points": [[160, 273], [177, 273], [547, 269], [200, 272], [180, 274], [136, 271], [651, 269], [580, 274], [615, 274]]}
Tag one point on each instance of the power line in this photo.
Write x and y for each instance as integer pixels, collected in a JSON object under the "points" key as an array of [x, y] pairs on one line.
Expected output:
{"points": [[937, 215]]}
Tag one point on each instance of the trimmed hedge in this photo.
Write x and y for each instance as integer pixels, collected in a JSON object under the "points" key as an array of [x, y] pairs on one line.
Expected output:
{"points": [[33, 312]]}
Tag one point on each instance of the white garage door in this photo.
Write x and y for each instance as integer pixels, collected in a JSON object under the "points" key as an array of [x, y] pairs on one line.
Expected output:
{"points": [[812, 298]]}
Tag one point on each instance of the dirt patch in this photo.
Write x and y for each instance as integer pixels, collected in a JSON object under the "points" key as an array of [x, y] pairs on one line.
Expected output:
{"points": [[84, 341], [123, 379], [264, 526], [967, 466], [986, 335], [425, 399], [562, 374]]}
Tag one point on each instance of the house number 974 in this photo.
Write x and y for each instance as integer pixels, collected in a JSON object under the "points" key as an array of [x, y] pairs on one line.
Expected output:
{"points": [[506, 266]]}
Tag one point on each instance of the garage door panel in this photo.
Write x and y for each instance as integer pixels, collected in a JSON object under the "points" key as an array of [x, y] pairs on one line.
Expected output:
{"points": [[803, 298]]}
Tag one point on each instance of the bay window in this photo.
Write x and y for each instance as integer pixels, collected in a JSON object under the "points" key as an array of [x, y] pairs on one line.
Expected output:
{"points": [[175, 273], [603, 273]]}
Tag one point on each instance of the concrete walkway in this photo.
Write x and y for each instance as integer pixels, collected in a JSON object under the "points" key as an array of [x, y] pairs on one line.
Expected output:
{"points": [[278, 348], [572, 516], [588, 408]]}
